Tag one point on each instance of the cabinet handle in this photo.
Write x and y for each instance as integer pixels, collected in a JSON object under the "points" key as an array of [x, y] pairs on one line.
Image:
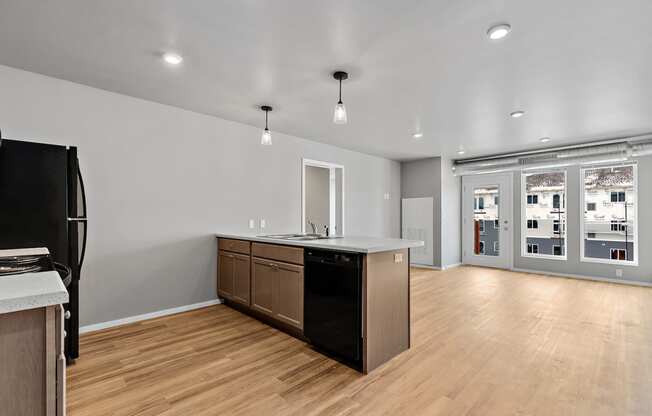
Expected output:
{"points": [[67, 315]]}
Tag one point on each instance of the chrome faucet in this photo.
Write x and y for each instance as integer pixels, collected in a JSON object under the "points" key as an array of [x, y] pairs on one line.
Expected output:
{"points": [[314, 227]]}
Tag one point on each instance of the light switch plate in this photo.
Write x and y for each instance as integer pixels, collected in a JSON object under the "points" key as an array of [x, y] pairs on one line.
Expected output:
{"points": [[386, 196], [262, 223], [619, 272], [252, 224], [398, 257]]}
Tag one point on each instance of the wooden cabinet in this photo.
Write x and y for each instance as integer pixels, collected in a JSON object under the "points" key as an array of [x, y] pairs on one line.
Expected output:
{"points": [[267, 278], [225, 271], [234, 271], [32, 364], [277, 290]]}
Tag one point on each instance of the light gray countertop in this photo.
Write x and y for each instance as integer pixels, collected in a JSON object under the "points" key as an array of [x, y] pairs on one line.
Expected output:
{"points": [[352, 244], [31, 290]]}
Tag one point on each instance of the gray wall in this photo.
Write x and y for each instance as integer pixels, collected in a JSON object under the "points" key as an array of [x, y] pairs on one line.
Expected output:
{"points": [[433, 177], [643, 273], [421, 179], [318, 185], [161, 181]]}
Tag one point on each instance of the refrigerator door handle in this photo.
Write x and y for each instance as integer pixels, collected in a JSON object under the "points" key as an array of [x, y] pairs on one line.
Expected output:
{"points": [[83, 218]]}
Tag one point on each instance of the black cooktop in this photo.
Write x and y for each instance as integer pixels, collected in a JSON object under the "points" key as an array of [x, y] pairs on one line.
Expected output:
{"points": [[25, 264]]}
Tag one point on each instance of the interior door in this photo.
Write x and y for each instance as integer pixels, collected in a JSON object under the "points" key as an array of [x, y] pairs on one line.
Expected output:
{"points": [[487, 220]]}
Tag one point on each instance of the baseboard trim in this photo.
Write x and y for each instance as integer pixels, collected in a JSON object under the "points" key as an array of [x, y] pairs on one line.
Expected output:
{"points": [[583, 277], [424, 266], [131, 319], [452, 266]]}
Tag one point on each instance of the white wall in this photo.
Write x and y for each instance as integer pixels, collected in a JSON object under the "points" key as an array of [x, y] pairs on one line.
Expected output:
{"points": [[160, 181], [451, 215]]}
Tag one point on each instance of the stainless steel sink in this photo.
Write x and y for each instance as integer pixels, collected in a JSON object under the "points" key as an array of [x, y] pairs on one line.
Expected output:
{"points": [[300, 237]]}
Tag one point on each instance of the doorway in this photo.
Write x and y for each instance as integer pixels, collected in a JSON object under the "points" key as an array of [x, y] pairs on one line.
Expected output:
{"points": [[487, 204], [322, 197]]}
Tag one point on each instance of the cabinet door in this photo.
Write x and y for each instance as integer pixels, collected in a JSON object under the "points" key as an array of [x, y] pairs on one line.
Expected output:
{"points": [[263, 285], [226, 269], [241, 279], [289, 305]]}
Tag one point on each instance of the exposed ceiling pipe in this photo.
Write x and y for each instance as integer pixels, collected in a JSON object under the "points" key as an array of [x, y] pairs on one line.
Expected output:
{"points": [[612, 152]]}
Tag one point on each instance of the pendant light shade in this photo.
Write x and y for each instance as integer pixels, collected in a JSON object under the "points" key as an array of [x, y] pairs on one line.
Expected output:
{"points": [[266, 137], [339, 115]]}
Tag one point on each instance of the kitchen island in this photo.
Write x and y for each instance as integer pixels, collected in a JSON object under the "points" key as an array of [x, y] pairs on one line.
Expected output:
{"points": [[348, 296]]}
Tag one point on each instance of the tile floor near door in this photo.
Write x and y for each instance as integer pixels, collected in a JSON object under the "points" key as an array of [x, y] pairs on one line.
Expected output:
{"points": [[485, 342]]}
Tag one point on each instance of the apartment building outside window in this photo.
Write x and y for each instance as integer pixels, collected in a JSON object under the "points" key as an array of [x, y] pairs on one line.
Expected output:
{"points": [[543, 211], [609, 230]]}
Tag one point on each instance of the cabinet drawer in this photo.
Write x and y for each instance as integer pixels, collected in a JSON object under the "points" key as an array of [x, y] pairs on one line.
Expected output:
{"points": [[280, 253], [236, 246]]}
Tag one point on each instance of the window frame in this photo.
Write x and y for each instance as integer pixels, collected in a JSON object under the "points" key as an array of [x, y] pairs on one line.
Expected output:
{"points": [[553, 250], [524, 220], [496, 249], [583, 258]]}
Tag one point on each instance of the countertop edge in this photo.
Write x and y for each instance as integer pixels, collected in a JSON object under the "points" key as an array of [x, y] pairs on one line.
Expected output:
{"points": [[33, 302], [395, 244]]}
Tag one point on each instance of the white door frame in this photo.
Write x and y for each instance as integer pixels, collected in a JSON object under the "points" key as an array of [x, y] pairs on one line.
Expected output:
{"points": [[505, 183], [331, 168]]}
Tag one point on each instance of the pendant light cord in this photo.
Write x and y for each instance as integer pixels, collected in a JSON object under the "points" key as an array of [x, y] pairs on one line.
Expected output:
{"points": [[340, 101], [266, 112]]}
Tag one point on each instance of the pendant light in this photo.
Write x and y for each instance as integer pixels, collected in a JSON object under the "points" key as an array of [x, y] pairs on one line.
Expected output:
{"points": [[339, 115], [266, 138]]}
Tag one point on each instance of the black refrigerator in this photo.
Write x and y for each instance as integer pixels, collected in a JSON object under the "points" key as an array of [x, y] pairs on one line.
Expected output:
{"points": [[43, 204]]}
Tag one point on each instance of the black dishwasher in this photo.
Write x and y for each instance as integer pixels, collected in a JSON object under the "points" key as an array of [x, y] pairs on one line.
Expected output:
{"points": [[333, 304]]}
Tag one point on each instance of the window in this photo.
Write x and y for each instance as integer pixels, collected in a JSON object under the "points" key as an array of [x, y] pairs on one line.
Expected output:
{"points": [[618, 254], [618, 197], [556, 201], [481, 247], [485, 219], [609, 231], [543, 230], [496, 248]]}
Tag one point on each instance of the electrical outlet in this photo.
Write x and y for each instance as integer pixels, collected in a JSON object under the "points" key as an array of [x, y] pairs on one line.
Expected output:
{"points": [[398, 257], [619, 272], [262, 223], [252, 224], [386, 196]]}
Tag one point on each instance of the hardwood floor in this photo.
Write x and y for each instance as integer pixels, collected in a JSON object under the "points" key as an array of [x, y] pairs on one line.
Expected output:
{"points": [[484, 342]]}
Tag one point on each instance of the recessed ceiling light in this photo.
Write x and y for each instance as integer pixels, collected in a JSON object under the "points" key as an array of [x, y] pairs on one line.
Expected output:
{"points": [[417, 135], [461, 152], [172, 58], [499, 31], [517, 114], [544, 139]]}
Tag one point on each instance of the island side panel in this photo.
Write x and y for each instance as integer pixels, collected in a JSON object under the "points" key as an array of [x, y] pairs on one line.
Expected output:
{"points": [[386, 303]]}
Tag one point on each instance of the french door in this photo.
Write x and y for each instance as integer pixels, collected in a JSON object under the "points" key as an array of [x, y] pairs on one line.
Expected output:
{"points": [[487, 206]]}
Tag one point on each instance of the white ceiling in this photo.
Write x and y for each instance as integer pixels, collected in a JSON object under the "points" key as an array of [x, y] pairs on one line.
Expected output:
{"points": [[581, 69]]}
